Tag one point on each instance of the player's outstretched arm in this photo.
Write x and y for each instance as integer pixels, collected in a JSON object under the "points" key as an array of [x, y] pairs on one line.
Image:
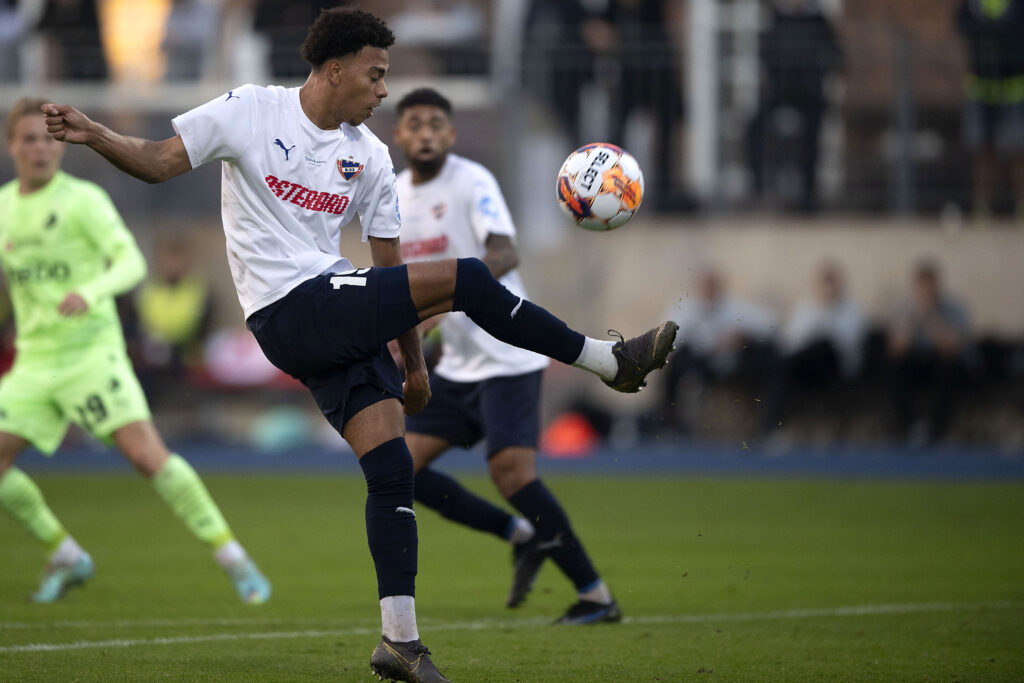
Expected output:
{"points": [[149, 161], [387, 252]]}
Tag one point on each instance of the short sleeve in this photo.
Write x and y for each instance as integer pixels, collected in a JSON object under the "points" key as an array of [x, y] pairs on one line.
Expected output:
{"points": [[379, 213], [488, 213], [220, 129]]}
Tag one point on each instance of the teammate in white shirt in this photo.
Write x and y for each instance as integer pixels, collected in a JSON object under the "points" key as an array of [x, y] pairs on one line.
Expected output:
{"points": [[298, 164], [482, 388]]}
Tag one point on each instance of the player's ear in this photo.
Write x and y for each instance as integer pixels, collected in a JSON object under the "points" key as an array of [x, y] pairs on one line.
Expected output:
{"points": [[332, 68]]}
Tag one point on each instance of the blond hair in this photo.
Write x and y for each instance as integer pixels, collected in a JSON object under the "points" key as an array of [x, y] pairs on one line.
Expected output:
{"points": [[26, 106]]}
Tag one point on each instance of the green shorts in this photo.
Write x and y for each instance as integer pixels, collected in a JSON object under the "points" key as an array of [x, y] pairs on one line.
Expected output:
{"points": [[95, 388]]}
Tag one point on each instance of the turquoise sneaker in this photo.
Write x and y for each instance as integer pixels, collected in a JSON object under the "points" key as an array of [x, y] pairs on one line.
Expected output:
{"points": [[57, 580], [253, 588]]}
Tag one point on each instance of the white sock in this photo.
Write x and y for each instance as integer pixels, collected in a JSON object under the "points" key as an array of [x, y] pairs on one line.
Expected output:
{"points": [[229, 554], [598, 593], [597, 358], [66, 554], [398, 617], [522, 531]]}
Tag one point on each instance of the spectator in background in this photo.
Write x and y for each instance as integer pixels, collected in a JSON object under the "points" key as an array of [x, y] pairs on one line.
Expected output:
{"points": [[636, 34], [928, 345], [798, 51], [190, 38], [12, 29], [453, 31], [74, 44], [994, 111], [721, 337], [284, 24], [557, 63], [821, 344], [169, 318]]}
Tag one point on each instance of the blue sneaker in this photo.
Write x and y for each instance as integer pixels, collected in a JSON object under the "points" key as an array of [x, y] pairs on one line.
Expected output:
{"points": [[253, 588], [589, 612], [57, 580]]}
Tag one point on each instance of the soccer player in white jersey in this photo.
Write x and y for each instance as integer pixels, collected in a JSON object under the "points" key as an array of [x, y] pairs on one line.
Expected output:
{"points": [[482, 388], [66, 254], [297, 165]]}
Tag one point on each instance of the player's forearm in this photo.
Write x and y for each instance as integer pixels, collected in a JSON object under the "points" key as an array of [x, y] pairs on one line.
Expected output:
{"points": [[386, 252], [412, 352], [500, 262], [127, 269], [501, 255], [149, 161]]}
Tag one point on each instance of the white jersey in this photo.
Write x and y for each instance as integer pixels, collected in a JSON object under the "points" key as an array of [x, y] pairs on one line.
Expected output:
{"points": [[288, 187], [450, 216]]}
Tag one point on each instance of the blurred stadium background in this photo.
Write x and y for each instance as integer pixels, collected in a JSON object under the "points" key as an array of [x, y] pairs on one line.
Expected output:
{"points": [[691, 88], [726, 104]]}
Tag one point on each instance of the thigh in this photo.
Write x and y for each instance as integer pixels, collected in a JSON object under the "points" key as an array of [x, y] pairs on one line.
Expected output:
{"points": [[432, 286], [335, 319], [347, 389], [510, 409], [104, 394], [453, 413], [28, 409]]}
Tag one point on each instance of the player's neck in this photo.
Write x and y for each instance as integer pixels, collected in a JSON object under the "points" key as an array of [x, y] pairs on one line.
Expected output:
{"points": [[30, 185], [311, 101]]}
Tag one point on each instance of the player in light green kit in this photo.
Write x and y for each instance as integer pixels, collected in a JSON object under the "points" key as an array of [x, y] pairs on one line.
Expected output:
{"points": [[66, 254]]}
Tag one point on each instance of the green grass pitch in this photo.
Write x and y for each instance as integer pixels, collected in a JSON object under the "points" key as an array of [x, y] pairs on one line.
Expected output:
{"points": [[720, 579]]}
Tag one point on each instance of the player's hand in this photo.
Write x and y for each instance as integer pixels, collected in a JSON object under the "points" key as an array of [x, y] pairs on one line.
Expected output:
{"points": [[73, 304], [417, 391], [67, 124]]}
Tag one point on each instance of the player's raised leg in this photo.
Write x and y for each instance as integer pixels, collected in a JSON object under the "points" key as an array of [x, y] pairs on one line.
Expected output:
{"points": [[466, 285], [180, 487], [67, 565], [375, 433]]}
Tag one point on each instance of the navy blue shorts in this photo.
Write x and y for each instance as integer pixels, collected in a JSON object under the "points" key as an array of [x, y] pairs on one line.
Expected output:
{"points": [[331, 333], [505, 410]]}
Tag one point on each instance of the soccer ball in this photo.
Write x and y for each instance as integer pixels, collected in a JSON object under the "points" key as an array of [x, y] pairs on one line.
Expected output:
{"points": [[600, 186]]}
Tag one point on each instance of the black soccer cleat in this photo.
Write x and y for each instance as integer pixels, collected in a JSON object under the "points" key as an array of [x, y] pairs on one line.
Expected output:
{"points": [[589, 612], [527, 559], [409, 662], [639, 356]]}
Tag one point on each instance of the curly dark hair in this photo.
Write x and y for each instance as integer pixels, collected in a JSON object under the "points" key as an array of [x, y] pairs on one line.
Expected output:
{"points": [[342, 31], [427, 96]]}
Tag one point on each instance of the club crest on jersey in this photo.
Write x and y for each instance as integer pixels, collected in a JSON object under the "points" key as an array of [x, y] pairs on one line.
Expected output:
{"points": [[438, 210], [349, 168]]}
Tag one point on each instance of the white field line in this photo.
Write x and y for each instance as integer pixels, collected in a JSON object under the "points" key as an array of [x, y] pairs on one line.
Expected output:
{"points": [[850, 611]]}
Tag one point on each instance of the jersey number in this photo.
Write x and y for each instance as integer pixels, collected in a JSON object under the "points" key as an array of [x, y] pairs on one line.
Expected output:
{"points": [[93, 412], [356, 278]]}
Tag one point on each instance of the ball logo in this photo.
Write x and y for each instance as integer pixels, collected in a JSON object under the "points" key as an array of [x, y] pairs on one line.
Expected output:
{"points": [[599, 187], [349, 169]]}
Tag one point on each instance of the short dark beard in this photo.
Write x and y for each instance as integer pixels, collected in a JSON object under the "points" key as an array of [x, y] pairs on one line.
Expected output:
{"points": [[429, 169]]}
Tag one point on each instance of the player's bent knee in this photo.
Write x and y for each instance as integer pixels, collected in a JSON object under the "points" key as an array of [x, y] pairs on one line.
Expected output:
{"points": [[10, 446], [512, 469], [141, 444]]}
